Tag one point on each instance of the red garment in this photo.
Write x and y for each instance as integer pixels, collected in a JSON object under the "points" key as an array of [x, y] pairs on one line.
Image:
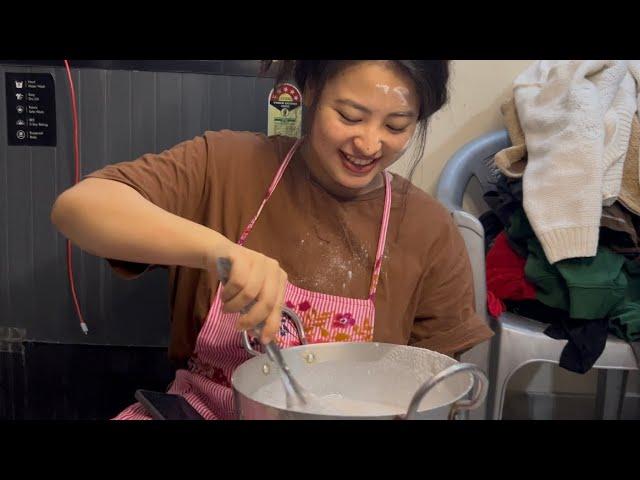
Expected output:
{"points": [[495, 306], [505, 274]]}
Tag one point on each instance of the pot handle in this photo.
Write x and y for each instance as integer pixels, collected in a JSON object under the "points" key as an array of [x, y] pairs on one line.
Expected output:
{"points": [[293, 316], [479, 390]]}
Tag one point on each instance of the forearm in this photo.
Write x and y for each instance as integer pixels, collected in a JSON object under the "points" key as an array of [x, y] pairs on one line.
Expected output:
{"points": [[112, 220]]}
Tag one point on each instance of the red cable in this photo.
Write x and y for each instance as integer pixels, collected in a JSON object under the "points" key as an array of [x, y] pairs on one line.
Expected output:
{"points": [[76, 156]]}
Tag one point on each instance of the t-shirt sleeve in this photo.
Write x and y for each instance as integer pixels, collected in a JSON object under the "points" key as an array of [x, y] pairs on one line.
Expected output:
{"points": [[175, 180], [446, 320]]}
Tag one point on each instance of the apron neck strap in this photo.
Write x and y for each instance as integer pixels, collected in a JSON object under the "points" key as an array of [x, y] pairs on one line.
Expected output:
{"points": [[270, 190], [383, 235]]}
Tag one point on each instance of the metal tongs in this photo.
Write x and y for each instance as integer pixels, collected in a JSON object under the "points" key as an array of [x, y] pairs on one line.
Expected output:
{"points": [[296, 395]]}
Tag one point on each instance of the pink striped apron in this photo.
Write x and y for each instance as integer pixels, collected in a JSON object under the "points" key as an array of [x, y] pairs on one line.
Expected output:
{"points": [[219, 350]]}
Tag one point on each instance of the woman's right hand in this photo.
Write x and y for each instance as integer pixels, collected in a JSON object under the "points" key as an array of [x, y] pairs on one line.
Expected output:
{"points": [[255, 282]]}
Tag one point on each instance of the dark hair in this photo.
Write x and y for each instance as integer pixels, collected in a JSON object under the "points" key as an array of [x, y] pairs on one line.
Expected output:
{"points": [[430, 78]]}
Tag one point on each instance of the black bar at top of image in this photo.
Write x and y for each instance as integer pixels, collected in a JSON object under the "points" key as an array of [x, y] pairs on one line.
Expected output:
{"points": [[248, 68]]}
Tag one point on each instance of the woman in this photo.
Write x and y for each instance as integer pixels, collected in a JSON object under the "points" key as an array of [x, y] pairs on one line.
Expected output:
{"points": [[358, 253]]}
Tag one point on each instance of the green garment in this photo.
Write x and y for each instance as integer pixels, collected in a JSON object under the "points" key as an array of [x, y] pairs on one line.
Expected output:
{"points": [[604, 286]]}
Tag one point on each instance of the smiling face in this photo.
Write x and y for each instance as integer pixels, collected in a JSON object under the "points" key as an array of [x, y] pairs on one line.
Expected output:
{"points": [[363, 121]]}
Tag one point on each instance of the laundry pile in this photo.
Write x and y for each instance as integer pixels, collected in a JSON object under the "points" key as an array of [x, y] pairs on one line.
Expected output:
{"points": [[563, 232]]}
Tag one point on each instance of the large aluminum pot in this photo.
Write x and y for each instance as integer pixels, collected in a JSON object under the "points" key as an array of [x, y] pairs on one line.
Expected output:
{"points": [[372, 381]]}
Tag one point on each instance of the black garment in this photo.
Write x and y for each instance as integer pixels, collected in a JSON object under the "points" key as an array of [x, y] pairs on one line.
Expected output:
{"points": [[492, 228], [505, 199], [586, 339], [503, 202], [586, 342]]}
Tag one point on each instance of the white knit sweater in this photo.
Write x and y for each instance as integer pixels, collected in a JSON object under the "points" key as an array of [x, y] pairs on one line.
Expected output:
{"points": [[576, 117]]}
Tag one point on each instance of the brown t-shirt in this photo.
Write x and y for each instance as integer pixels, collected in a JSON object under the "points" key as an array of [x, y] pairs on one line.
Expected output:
{"points": [[325, 244]]}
